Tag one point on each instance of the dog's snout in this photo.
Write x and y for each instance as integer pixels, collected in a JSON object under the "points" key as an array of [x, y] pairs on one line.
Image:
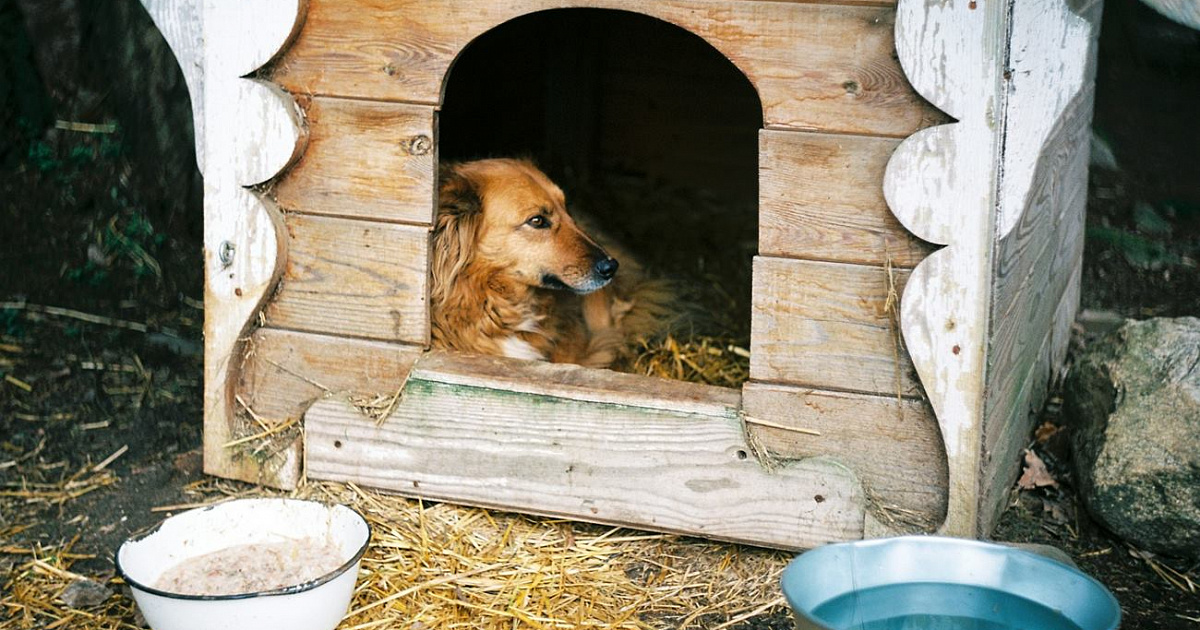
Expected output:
{"points": [[606, 268]]}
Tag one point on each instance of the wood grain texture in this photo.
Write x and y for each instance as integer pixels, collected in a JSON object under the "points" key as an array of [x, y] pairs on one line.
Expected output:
{"points": [[354, 278], [1053, 43], [1008, 427], [941, 184], [1185, 12], [364, 160], [1038, 263], [251, 132], [821, 198], [599, 462], [283, 372], [824, 325], [286, 371], [1035, 297], [564, 380], [893, 446], [816, 66]]}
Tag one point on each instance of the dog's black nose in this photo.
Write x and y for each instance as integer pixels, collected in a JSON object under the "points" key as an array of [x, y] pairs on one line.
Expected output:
{"points": [[606, 268]]}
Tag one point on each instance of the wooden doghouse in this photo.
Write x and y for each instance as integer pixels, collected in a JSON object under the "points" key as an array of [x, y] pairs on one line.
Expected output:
{"points": [[931, 150]]}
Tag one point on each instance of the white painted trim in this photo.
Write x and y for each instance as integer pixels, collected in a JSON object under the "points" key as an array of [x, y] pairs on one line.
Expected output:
{"points": [[941, 183], [251, 132], [1047, 64], [181, 24]]}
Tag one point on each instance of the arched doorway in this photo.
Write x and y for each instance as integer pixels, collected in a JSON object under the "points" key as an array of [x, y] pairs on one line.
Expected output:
{"points": [[649, 129]]}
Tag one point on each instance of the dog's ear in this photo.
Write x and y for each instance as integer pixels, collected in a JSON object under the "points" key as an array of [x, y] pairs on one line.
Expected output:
{"points": [[454, 230]]}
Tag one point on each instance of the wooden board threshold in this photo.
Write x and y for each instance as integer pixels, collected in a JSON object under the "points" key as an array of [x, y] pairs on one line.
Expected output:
{"points": [[586, 444]]}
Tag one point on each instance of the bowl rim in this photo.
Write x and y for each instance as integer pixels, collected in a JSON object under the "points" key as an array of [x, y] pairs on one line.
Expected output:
{"points": [[953, 542], [283, 590]]}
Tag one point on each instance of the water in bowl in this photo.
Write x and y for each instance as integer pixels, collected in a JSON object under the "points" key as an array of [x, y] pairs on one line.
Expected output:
{"points": [[924, 606]]}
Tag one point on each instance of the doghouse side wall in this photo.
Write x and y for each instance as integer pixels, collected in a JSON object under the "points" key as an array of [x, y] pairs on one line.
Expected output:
{"points": [[1037, 264]]}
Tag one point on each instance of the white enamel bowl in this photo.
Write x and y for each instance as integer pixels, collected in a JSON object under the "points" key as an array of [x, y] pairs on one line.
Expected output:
{"points": [[318, 604]]}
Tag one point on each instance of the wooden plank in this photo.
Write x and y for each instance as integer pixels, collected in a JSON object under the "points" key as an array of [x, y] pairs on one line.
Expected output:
{"points": [[941, 183], [821, 198], [282, 373], [1037, 271], [1035, 265], [849, 3], [824, 325], [1053, 44], [286, 371], [355, 279], [599, 462], [364, 160], [565, 380], [1008, 427], [1039, 227], [250, 133], [894, 446], [817, 67]]}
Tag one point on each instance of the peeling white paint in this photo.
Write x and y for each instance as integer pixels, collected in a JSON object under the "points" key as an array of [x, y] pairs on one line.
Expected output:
{"points": [[1047, 67]]}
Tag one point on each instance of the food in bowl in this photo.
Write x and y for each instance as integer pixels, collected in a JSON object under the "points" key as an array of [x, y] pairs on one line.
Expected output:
{"points": [[249, 563], [252, 568]]}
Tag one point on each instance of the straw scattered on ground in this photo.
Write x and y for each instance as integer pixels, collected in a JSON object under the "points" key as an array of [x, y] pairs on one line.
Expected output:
{"points": [[444, 566]]}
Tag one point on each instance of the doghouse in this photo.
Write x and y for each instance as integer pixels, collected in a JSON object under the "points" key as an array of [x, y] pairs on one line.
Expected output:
{"points": [[934, 152]]}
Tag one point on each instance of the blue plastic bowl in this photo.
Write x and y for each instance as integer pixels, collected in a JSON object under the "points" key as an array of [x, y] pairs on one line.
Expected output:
{"points": [[934, 583]]}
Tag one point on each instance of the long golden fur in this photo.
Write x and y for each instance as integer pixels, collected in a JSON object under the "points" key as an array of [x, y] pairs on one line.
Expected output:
{"points": [[513, 274]]}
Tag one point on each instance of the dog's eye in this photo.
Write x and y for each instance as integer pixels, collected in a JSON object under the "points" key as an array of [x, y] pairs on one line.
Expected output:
{"points": [[538, 221]]}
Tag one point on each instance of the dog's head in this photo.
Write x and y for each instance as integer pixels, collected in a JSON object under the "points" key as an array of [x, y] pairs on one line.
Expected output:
{"points": [[508, 215]]}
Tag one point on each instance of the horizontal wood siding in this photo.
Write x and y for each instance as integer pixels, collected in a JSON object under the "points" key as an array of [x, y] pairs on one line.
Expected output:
{"points": [[286, 371], [354, 278], [821, 198], [1035, 294], [365, 160], [825, 325], [1002, 460], [894, 446], [602, 462], [816, 66]]}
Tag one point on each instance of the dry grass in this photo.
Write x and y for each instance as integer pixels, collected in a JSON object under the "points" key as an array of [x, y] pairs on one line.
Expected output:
{"points": [[444, 566], [697, 358]]}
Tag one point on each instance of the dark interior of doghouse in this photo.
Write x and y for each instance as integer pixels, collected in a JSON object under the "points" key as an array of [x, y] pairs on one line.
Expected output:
{"points": [[648, 129]]}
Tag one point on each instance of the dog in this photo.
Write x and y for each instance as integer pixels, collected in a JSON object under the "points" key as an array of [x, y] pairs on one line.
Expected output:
{"points": [[514, 274]]}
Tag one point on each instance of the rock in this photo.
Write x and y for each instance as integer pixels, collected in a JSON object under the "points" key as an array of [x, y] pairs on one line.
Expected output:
{"points": [[1134, 401], [85, 593]]}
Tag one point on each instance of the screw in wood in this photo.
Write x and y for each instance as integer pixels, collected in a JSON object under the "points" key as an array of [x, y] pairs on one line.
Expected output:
{"points": [[225, 253]]}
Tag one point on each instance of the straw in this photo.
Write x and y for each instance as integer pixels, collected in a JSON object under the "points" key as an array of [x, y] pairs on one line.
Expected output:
{"points": [[442, 566]]}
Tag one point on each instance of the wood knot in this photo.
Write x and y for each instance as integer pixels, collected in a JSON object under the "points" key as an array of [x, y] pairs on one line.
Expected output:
{"points": [[418, 145]]}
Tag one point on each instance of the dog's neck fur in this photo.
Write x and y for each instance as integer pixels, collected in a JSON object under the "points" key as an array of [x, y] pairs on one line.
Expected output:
{"points": [[484, 310]]}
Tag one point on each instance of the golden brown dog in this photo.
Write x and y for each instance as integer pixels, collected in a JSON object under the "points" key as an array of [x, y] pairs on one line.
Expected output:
{"points": [[514, 275]]}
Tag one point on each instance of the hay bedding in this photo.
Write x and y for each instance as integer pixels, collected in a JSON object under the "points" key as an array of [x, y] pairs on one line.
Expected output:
{"points": [[443, 566], [703, 244]]}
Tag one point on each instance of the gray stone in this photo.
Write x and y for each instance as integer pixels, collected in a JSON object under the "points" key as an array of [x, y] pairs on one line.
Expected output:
{"points": [[1134, 401], [85, 594]]}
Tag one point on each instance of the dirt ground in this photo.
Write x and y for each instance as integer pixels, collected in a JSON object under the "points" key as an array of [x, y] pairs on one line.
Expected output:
{"points": [[100, 323]]}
